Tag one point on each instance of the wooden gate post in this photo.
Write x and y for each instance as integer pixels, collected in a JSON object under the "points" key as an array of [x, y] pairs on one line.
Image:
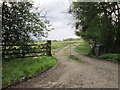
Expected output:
{"points": [[48, 48]]}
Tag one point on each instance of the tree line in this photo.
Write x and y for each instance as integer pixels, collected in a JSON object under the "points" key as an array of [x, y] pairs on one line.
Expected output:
{"points": [[98, 23]]}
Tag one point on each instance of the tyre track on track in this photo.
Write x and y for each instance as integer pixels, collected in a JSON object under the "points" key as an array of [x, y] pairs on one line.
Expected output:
{"points": [[68, 73]]}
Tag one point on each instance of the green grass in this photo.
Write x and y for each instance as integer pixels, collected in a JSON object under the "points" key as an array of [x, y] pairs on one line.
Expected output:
{"points": [[83, 48], [21, 68], [61, 44], [72, 57], [109, 56]]}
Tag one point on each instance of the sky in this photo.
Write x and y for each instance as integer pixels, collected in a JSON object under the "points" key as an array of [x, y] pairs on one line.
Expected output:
{"points": [[59, 18]]}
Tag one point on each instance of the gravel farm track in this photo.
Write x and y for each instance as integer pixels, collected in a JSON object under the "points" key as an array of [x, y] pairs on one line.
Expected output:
{"points": [[67, 73]]}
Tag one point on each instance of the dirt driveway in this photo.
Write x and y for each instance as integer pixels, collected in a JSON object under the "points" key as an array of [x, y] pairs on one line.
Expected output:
{"points": [[91, 73]]}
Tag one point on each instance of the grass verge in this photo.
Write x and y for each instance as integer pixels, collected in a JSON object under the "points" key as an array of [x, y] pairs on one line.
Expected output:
{"points": [[21, 68], [71, 56], [109, 56], [84, 49]]}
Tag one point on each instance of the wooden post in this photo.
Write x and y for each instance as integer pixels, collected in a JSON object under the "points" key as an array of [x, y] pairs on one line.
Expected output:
{"points": [[48, 48], [23, 47]]}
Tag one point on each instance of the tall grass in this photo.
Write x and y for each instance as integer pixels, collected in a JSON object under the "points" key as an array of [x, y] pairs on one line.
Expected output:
{"points": [[84, 49], [21, 68], [109, 56]]}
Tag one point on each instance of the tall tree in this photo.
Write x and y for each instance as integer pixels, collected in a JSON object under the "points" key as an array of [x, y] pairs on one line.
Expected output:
{"points": [[19, 23], [100, 23]]}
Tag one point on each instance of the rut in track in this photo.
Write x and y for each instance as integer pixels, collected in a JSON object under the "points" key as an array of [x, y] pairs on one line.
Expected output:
{"points": [[91, 73]]}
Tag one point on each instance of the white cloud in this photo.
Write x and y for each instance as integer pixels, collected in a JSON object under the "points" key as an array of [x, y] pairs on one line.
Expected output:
{"points": [[59, 18]]}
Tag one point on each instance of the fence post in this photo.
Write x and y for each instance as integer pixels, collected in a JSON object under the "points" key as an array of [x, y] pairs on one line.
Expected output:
{"points": [[22, 47], [48, 48]]}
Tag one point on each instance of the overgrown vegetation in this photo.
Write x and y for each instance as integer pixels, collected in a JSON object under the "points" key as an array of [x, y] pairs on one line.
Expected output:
{"points": [[108, 56], [21, 23], [84, 49], [98, 23], [21, 68]]}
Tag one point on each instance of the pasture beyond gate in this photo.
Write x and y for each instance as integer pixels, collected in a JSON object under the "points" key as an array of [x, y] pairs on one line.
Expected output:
{"points": [[29, 50]]}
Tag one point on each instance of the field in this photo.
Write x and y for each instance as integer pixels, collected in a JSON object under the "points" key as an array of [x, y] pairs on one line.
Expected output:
{"points": [[21, 68], [61, 44]]}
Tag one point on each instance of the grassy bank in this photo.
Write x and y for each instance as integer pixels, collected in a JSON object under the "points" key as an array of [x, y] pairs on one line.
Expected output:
{"points": [[72, 57], [84, 49], [21, 68], [109, 56]]}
